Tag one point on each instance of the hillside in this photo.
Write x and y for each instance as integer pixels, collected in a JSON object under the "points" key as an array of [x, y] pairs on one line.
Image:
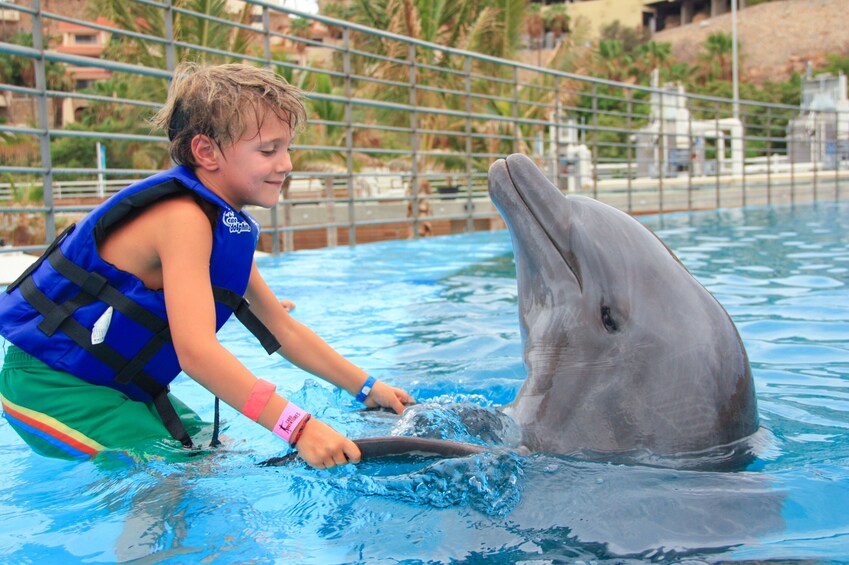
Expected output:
{"points": [[776, 38]]}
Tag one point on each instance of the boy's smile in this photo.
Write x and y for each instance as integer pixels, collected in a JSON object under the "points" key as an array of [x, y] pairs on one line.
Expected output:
{"points": [[251, 171]]}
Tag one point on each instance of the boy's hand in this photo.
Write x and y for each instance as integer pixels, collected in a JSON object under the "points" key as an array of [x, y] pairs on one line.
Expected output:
{"points": [[323, 447], [388, 397]]}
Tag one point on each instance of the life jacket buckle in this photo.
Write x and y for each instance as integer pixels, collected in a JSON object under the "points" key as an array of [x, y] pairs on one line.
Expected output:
{"points": [[94, 284]]}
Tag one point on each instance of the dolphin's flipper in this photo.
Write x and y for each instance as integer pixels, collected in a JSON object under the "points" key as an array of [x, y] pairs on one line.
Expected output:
{"points": [[374, 447]]}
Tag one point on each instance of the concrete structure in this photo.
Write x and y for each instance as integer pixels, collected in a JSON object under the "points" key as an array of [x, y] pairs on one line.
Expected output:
{"points": [[820, 133], [673, 143]]}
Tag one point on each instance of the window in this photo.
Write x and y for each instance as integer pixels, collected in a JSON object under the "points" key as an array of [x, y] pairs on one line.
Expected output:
{"points": [[85, 39]]}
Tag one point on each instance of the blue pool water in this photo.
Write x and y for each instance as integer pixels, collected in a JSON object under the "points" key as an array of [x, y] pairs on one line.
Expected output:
{"points": [[439, 317]]}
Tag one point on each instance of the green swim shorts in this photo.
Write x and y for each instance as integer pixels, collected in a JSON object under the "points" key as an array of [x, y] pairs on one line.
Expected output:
{"points": [[60, 415]]}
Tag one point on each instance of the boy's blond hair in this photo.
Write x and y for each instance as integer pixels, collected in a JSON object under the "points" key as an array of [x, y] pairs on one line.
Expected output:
{"points": [[219, 100]]}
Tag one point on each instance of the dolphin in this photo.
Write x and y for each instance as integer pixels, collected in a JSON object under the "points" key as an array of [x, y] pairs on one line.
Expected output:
{"points": [[628, 357], [625, 350]]}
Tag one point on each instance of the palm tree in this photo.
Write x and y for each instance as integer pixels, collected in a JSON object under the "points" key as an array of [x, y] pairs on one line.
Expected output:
{"points": [[653, 55], [535, 26], [715, 61], [497, 29], [488, 26], [149, 19], [614, 62]]}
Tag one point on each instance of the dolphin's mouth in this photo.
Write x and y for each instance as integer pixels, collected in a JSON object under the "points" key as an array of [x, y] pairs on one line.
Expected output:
{"points": [[525, 168]]}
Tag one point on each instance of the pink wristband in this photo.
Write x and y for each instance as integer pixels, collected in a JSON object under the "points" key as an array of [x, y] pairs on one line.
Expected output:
{"points": [[288, 422], [258, 398]]}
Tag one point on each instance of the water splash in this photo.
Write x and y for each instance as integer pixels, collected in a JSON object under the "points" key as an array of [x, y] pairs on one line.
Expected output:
{"points": [[488, 482], [459, 421]]}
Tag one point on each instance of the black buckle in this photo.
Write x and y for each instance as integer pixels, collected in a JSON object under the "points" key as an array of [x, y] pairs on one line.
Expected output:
{"points": [[94, 284]]}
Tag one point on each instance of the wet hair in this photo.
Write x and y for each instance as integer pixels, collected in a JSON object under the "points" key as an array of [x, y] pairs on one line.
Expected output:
{"points": [[219, 101]]}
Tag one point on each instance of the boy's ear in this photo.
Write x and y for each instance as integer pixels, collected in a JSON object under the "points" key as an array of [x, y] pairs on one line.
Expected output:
{"points": [[204, 150]]}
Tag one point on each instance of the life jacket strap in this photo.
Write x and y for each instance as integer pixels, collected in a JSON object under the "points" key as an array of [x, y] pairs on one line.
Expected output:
{"points": [[134, 367], [172, 421], [216, 424], [242, 309], [97, 286], [53, 319], [134, 202]]}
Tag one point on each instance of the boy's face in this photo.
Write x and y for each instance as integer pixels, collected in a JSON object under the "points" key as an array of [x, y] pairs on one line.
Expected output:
{"points": [[253, 169]]}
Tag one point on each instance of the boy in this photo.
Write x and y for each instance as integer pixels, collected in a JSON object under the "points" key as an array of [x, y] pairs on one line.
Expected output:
{"points": [[136, 292]]}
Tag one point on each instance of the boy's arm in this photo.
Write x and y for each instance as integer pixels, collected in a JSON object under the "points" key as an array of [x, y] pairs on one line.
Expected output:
{"points": [[183, 242], [304, 348]]}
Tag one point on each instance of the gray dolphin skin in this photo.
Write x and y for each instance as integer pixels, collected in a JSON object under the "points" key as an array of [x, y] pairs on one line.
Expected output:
{"points": [[624, 349]]}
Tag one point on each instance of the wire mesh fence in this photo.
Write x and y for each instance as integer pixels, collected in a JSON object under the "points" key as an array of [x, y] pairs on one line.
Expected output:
{"points": [[401, 131]]}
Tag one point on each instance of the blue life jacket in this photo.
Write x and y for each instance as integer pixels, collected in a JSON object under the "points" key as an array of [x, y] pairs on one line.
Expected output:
{"points": [[79, 314]]}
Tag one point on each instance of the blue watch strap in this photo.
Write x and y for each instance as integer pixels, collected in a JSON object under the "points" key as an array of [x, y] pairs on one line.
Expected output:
{"points": [[361, 396]]}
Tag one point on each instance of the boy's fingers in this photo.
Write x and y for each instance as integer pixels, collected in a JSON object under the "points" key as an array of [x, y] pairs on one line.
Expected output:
{"points": [[351, 452], [395, 404]]}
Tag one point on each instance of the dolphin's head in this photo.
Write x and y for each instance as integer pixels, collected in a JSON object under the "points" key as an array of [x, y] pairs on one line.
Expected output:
{"points": [[624, 349]]}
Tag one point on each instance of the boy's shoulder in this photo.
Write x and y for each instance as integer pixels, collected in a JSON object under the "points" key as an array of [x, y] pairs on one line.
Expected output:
{"points": [[187, 207]]}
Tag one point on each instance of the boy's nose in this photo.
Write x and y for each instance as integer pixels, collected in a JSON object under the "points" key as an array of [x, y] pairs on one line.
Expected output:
{"points": [[284, 164]]}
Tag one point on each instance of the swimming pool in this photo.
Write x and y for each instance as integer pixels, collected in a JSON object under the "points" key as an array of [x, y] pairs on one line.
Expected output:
{"points": [[439, 317]]}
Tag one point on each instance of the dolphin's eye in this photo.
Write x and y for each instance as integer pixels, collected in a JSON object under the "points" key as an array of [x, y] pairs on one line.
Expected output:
{"points": [[608, 321]]}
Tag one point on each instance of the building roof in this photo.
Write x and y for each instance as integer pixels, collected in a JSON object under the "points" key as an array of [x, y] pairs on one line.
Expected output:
{"points": [[67, 27]]}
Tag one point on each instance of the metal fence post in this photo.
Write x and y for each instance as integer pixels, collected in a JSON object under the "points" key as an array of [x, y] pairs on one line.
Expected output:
{"points": [[266, 53], [836, 161], [594, 153], [470, 206], [43, 115], [662, 148], [349, 136], [792, 153], [769, 155], [717, 172], [414, 144], [330, 207], [743, 187], [170, 54], [517, 131], [555, 124], [816, 158], [629, 150], [690, 160]]}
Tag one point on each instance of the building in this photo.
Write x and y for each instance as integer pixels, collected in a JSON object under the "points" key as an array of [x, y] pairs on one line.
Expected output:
{"points": [[663, 14], [84, 41], [654, 15]]}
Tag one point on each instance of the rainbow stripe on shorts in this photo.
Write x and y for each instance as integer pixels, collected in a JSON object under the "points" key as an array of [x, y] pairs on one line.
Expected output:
{"points": [[68, 440]]}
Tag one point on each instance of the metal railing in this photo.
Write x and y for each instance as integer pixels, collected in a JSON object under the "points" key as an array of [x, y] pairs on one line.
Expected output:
{"points": [[401, 131]]}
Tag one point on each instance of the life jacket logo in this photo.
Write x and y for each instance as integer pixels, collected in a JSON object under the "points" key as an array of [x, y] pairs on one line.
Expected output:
{"points": [[234, 224]]}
